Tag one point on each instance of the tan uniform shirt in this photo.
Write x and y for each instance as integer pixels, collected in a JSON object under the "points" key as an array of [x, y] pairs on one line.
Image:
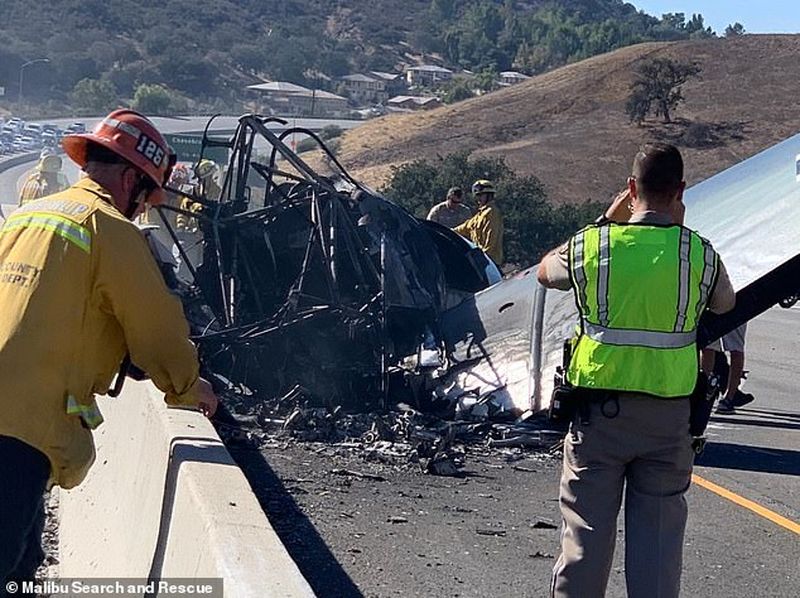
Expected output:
{"points": [[449, 216]]}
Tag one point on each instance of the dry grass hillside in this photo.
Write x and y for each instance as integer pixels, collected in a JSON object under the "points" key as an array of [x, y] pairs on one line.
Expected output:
{"points": [[569, 126]]}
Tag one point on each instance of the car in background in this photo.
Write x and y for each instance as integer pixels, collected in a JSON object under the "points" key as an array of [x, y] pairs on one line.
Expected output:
{"points": [[33, 130], [17, 124], [75, 128], [25, 143], [50, 139]]}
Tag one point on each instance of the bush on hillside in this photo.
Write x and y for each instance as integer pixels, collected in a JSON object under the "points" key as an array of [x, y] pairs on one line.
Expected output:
{"points": [[94, 96], [153, 99]]}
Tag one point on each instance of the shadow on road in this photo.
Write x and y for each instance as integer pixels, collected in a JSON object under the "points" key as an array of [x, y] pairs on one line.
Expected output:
{"points": [[764, 413], [724, 455], [758, 423], [301, 539]]}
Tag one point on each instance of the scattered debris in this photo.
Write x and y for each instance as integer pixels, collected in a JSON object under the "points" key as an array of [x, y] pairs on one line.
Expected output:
{"points": [[541, 555], [358, 474], [544, 524], [522, 468], [399, 438], [491, 532], [397, 519]]}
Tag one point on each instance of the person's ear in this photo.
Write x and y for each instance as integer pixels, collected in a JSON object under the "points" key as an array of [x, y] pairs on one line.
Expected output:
{"points": [[681, 189], [128, 179], [632, 188]]}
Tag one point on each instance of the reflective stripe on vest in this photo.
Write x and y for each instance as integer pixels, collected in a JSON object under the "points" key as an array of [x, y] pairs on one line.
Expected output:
{"points": [[640, 292], [64, 227], [90, 414], [639, 338]]}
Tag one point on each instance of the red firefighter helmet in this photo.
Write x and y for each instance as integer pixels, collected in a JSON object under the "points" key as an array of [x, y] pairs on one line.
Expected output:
{"points": [[133, 137]]}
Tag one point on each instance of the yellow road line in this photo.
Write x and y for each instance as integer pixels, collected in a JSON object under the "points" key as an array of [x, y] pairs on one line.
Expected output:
{"points": [[747, 504]]}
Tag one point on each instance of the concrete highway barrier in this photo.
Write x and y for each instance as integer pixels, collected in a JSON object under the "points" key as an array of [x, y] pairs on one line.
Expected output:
{"points": [[166, 500], [8, 163]]}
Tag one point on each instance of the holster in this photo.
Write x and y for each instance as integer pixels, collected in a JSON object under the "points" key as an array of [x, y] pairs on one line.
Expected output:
{"points": [[702, 402], [564, 403]]}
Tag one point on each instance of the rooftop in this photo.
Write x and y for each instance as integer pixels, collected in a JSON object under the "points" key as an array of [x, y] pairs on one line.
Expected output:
{"points": [[429, 68], [279, 86]]}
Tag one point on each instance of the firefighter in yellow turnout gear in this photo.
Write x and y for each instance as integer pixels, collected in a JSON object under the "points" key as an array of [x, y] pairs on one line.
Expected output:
{"points": [[78, 290], [45, 180], [485, 228]]}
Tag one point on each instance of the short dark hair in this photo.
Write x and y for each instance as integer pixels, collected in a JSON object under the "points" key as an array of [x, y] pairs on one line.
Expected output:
{"points": [[457, 191], [658, 170]]}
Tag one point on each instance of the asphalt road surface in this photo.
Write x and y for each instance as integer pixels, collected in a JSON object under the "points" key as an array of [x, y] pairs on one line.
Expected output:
{"points": [[493, 532]]}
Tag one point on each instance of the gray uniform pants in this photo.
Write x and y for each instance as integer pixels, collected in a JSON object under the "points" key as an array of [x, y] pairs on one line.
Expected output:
{"points": [[645, 450]]}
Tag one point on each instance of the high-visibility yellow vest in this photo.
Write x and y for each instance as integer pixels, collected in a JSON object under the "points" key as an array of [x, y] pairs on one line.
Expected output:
{"points": [[640, 291]]}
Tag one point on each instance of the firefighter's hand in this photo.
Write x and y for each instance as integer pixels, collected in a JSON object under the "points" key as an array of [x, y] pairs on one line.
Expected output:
{"points": [[621, 208], [208, 401]]}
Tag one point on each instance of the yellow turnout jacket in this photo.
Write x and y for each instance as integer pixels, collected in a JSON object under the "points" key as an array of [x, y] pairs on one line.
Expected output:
{"points": [[485, 229], [78, 289]]}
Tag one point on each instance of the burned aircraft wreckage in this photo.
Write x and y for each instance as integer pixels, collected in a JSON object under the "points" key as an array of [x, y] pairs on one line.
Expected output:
{"points": [[313, 284], [315, 290]]}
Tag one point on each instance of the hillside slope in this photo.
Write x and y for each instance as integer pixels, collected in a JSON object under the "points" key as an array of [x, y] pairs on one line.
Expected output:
{"points": [[569, 126]]}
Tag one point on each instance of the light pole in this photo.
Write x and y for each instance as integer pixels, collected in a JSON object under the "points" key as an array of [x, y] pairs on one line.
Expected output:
{"points": [[21, 70]]}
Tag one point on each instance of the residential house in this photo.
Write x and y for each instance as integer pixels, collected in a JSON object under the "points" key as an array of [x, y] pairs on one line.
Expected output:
{"points": [[512, 78], [428, 75], [395, 82], [287, 99], [365, 89], [413, 103]]}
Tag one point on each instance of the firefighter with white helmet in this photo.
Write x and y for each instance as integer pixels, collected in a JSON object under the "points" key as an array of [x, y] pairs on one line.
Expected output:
{"points": [[79, 290]]}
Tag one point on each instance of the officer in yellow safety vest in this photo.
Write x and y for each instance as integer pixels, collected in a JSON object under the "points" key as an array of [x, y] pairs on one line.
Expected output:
{"points": [[78, 290], [641, 282]]}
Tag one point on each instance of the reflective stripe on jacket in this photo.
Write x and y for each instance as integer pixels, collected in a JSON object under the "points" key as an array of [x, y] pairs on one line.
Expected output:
{"points": [[78, 289], [640, 290]]}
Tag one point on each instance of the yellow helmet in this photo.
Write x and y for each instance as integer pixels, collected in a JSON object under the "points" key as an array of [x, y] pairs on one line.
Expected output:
{"points": [[205, 169], [482, 186], [50, 163]]}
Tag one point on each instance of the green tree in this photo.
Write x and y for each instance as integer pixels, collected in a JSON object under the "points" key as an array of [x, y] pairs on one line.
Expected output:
{"points": [[486, 79], [93, 96], [152, 99], [457, 90], [330, 132], [734, 30], [658, 88]]}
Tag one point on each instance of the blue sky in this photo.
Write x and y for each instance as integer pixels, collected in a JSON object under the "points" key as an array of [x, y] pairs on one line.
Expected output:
{"points": [[765, 16]]}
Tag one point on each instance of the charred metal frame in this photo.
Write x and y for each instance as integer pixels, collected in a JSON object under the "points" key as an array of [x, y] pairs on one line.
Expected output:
{"points": [[221, 284]]}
